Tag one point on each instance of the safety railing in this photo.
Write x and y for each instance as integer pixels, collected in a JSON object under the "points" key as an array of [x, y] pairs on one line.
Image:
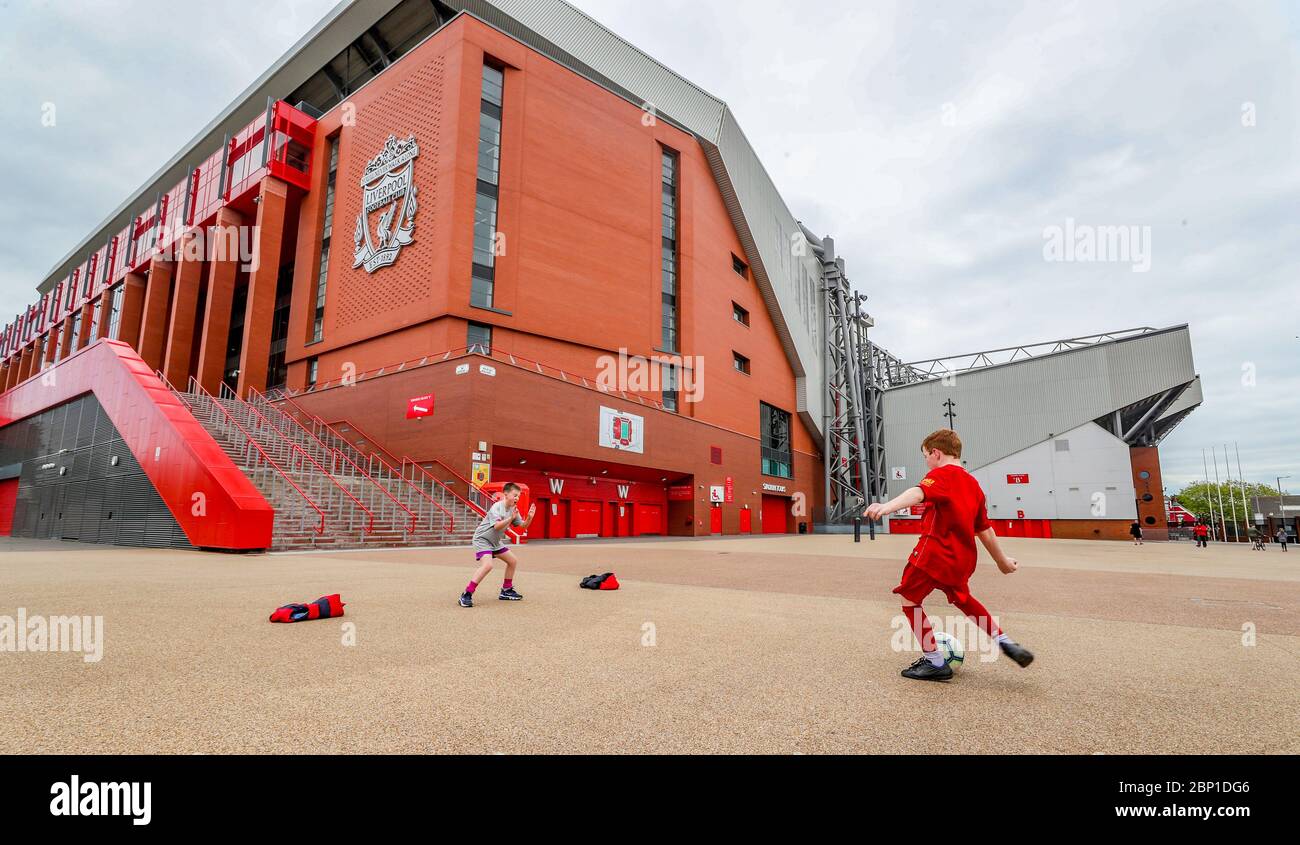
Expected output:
{"points": [[429, 510], [519, 361], [351, 513], [289, 499], [478, 501], [378, 497]]}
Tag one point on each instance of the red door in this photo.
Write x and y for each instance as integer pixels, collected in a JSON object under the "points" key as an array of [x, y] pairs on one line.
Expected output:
{"points": [[586, 519], [557, 519], [8, 499], [746, 521], [647, 519], [774, 514], [537, 531], [623, 519], [715, 520]]}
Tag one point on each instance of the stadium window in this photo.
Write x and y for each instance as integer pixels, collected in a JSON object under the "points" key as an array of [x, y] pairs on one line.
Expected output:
{"points": [[740, 315], [74, 334], [479, 338], [740, 362], [115, 310], [774, 434], [668, 236], [483, 270], [322, 275], [740, 267], [668, 382], [313, 371]]}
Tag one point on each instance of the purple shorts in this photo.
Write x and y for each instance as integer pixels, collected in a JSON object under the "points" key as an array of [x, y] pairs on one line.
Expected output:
{"points": [[493, 552]]}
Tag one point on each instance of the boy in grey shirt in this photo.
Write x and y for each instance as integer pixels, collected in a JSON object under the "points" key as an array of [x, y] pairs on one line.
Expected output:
{"points": [[490, 542]]}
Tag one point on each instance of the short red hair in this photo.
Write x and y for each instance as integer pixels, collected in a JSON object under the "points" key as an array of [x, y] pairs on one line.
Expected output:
{"points": [[945, 440]]}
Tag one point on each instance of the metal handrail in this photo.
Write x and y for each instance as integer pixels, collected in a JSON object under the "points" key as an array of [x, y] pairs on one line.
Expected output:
{"points": [[437, 483], [196, 389], [469, 485], [381, 488], [295, 447], [588, 382], [392, 473]]}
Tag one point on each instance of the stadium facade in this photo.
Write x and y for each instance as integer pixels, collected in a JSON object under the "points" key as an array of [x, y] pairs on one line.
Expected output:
{"points": [[558, 263]]}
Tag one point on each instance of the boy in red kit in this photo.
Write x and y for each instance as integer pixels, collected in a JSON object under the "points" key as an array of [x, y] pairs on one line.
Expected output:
{"points": [[944, 557]]}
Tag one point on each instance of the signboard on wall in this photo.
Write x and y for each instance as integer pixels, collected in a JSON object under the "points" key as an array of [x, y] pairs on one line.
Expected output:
{"points": [[480, 473], [419, 406], [898, 473], [1018, 478], [679, 493], [716, 493], [621, 430], [914, 512], [729, 489]]}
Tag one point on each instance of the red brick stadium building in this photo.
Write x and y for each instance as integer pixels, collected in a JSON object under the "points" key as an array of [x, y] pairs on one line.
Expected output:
{"points": [[429, 244]]}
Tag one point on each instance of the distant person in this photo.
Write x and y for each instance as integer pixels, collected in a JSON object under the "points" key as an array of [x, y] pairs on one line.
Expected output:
{"points": [[1202, 534], [944, 557], [1135, 530], [1280, 536], [1257, 536]]}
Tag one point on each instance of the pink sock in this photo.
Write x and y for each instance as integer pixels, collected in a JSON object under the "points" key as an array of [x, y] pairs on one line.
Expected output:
{"points": [[507, 584], [470, 589]]}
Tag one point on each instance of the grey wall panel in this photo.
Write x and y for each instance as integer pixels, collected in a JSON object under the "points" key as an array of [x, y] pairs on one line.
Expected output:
{"points": [[78, 494], [1003, 409]]}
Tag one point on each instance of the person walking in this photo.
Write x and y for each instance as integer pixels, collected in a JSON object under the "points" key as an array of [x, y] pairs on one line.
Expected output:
{"points": [[1280, 536]]}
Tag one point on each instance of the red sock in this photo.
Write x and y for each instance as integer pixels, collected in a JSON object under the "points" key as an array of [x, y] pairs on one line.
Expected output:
{"points": [[921, 627], [980, 615], [507, 584], [470, 589]]}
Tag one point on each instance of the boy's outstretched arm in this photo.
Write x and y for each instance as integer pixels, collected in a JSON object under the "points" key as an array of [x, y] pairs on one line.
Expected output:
{"points": [[991, 545], [910, 496]]}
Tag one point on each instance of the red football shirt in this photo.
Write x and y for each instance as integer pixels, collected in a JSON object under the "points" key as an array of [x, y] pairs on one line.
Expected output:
{"points": [[954, 512]]}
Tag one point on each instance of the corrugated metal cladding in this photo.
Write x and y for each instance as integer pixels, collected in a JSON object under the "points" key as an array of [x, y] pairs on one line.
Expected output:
{"points": [[67, 474], [789, 282], [1003, 409]]}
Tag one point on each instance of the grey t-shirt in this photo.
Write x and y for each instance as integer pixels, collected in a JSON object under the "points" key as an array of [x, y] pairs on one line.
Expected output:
{"points": [[486, 536]]}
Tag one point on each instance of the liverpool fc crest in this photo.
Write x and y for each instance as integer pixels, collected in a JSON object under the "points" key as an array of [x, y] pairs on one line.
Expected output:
{"points": [[387, 187]]}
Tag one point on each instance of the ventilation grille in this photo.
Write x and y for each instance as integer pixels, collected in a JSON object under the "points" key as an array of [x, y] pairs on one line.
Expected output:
{"points": [[69, 488]]}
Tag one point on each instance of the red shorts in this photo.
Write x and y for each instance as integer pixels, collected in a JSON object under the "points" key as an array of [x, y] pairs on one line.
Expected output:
{"points": [[917, 584]]}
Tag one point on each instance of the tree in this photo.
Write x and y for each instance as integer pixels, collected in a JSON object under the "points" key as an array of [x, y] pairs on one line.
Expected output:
{"points": [[1197, 498]]}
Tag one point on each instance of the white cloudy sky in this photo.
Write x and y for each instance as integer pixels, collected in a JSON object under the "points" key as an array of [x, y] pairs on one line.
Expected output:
{"points": [[934, 140]]}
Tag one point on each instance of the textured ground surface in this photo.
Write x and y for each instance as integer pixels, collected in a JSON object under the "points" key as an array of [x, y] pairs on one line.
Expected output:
{"points": [[760, 645]]}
